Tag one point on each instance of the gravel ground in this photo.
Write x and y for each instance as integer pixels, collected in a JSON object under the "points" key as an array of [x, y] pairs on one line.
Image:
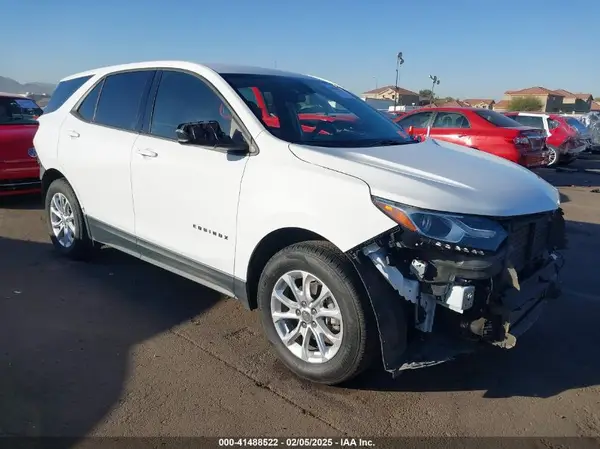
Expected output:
{"points": [[117, 347]]}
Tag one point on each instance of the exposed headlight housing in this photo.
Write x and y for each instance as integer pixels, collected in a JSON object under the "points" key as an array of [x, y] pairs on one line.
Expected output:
{"points": [[466, 234]]}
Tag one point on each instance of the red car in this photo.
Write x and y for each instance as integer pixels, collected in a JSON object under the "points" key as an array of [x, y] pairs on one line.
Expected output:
{"points": [[564, 142], [318, 112], [19, 169], [481, 129]]}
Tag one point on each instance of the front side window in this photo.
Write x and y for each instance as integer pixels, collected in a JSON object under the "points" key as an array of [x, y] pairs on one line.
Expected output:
{"points": [[121, 98], [63, 92], [418, 120], [18, 111], [183, 98], [314, 112], [450, 120]]}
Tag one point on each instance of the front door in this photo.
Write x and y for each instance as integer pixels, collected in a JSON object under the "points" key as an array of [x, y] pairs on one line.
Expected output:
{"points": [[186, 196], [452, 127], [419, 121]]}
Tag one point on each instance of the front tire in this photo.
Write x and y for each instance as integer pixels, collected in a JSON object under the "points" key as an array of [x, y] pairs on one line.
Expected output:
{"points": [[316, 314], [66, 224]]}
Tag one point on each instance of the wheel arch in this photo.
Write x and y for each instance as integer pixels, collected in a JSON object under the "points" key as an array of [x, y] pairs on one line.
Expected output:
{"points": [[266, 248], [52, 174], [49, 176]]}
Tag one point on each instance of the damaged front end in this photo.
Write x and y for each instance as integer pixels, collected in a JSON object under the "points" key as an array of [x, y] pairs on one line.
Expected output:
{"points": [[436, 298]]}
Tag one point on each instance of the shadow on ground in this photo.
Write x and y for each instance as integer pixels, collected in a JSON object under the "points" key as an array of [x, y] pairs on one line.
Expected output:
{"points": [[22, 202], [67, 328], [560, 353], [584, 172]]}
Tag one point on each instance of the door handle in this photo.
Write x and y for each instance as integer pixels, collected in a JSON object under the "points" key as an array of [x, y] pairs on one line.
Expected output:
{"points": [[146, 152], [73, 134]]}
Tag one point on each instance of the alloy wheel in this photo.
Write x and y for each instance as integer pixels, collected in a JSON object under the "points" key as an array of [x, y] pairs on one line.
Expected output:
{"points": [[62, 220], [307, 317]]}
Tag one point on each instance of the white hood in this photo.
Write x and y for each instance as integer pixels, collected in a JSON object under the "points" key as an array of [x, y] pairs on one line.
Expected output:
{"points": [[440, 176]]}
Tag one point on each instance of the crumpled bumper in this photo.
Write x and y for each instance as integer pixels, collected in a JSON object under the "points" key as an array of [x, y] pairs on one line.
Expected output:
{"points": [[521, 306]]}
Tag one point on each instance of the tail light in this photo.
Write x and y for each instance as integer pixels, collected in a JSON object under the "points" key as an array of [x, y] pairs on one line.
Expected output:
{"points": [[522, 143]]}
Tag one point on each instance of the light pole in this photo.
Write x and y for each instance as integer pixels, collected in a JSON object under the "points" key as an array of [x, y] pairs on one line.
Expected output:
{"points": [[399, 62], [435, 80]]}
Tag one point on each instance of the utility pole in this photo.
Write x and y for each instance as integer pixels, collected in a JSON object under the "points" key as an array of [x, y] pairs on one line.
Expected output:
{"points": [[435, 80], [399, 62]]}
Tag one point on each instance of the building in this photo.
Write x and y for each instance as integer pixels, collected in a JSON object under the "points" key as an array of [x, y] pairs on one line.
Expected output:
{"points": [[405, 97], [551, 100], [595, 106], [379, 103], [501, 106], [575, 103], [483, 103], [454, 104]]}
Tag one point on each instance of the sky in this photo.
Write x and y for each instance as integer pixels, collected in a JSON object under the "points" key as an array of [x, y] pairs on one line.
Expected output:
{"points": [[477, 48]]}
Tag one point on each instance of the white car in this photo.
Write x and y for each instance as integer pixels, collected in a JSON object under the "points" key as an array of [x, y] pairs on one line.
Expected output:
{"points": [[353, 240], [563, 149]]}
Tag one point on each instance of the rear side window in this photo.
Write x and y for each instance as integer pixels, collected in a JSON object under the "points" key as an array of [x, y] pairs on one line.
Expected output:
{"points": [[498, 119], [63, 92], [527, 120], [121, 98], [87, 109]]}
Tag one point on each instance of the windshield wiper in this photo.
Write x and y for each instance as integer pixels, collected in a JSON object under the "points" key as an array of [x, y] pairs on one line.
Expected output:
{"points": [[390, 142]]}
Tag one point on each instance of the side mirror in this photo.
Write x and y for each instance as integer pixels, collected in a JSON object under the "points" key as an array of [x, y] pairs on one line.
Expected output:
{"points": [[182, 135], [209, 134]]}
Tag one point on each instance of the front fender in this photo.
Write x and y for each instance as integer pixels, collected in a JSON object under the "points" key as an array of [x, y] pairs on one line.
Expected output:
{"points": [[389, 311]]}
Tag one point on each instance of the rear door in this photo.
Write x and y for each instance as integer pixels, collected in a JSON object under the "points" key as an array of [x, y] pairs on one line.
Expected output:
{"points": [[452, 127], [419, 121], [96, 141]]}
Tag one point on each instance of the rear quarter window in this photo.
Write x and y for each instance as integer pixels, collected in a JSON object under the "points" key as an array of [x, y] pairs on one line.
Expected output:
{"points": [[63, 92]]}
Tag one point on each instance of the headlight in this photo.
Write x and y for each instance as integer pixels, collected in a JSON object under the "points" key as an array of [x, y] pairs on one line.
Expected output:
{"points": [[466, 234]]}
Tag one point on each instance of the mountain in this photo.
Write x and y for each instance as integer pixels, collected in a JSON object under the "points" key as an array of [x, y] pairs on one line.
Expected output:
{"points": [[14, 87]]}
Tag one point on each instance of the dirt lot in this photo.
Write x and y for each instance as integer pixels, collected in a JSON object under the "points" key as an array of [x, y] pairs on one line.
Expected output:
{"points": [[118, 347]]}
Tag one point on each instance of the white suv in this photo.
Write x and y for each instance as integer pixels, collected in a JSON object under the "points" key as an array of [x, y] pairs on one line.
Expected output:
{"points": [[352, 239]]}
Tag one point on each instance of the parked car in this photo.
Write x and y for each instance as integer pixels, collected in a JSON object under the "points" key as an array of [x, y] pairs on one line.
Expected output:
{"points": [[563, 141], [582, 131], [591, 120], [19, 170], [481, 129], [353, 243]]}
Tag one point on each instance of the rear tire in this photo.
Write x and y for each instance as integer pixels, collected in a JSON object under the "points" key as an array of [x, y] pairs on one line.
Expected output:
{"points": [[554, 157], [336, 350], [66, 224]]}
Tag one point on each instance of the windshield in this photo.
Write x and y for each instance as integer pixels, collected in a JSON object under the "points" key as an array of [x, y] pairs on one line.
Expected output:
{"points": [[498, 119], [576, 124], [18, 111], [310, 111]]}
